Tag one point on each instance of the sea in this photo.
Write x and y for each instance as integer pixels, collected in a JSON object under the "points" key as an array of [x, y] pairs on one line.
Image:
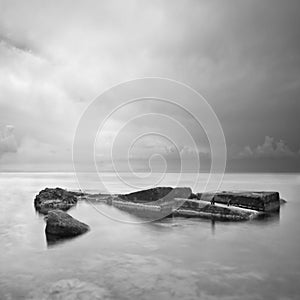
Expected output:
{"points": [[173, 258]]}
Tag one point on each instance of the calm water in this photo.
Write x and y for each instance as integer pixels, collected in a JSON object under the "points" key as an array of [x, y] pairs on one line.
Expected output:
{"points": [[173, 259]]}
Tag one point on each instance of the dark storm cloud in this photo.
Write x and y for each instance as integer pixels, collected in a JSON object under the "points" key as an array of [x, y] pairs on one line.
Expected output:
{"points": [[245, 57]]}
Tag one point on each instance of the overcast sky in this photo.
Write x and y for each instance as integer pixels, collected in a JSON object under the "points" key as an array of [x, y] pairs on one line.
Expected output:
{"points": [[242, 56]]}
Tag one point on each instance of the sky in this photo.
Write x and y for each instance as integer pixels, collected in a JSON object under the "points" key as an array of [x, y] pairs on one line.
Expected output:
{"points": [[243, 57]]}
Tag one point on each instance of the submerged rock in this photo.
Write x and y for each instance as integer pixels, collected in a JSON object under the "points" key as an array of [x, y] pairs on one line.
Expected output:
{"points": [[61, 224], [57, 198], [203, 209], [71, 289]]}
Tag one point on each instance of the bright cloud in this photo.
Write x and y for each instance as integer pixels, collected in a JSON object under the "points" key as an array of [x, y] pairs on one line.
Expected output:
{"points": [[270, 149]]}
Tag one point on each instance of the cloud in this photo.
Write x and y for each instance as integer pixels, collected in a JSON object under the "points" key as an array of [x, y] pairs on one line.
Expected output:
{"points": [[34, 155], [244, 57], [8, 142], [269, 149], [186, 152]]}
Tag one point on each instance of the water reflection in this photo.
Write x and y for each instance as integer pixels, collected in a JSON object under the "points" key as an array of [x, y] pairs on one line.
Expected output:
{"points": [[270, 218], [53, 240], [213, 226]]}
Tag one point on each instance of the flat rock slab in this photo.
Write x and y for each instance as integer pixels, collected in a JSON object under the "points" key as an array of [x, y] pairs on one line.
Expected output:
{"points": [[61, 224], [256, 200], [70, 289], [158, 194], [220, 212]]}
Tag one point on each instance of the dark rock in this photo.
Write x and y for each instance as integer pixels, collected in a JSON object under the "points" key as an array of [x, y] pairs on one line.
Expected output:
{"points": [[215, 212], [152, 204], [199, 195], [194, 196], [54, 240], [158, 194], [282, 201], [160, 202], [190, 204], [149, 195], [61, 224], [260, 201], [57, 198]]}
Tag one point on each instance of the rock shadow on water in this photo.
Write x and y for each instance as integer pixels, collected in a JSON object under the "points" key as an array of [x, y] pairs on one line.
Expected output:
{"points": [[56, 240], [270, 218]]}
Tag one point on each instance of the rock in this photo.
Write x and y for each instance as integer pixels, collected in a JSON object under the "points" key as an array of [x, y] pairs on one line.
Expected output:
{"points": [[190, 204], [160, 202], [194, 196], [202, 209], [49, 199], [54, 240], [231, 206], [61, 224], [152, 204], [70, 289], [282, 201], [149, 195], [260, 201], [158, 194]]}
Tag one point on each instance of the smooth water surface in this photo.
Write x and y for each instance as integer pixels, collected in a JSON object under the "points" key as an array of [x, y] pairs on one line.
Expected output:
{"points": [[169, 259]]}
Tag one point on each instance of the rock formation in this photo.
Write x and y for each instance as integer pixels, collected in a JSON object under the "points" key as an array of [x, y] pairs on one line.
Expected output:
{"points": [[160, 202], [61, 224], [203, 209], [161, 194], [49, 199], [260, 201]]}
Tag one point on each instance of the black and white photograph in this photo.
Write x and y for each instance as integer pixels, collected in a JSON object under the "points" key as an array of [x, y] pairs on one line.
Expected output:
{"points": [[149, 149]]}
